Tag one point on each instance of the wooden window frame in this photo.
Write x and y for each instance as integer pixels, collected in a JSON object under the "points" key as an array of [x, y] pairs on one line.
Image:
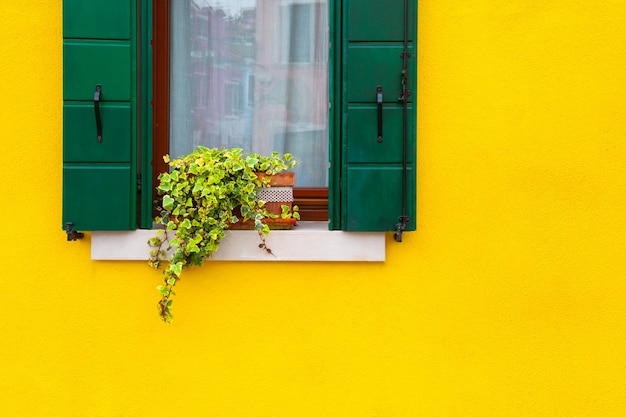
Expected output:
{"points": [[312, 201]]}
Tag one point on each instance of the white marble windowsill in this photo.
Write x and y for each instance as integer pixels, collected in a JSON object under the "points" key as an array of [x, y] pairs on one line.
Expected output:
{"points": [[309, 241]]}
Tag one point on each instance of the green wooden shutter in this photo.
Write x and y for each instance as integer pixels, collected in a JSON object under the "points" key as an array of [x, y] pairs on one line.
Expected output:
{"points": [[372, 43], [99, 177]]}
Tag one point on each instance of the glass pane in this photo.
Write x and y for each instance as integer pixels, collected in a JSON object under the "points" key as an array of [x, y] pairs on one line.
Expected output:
{"points": [[252, 74]]}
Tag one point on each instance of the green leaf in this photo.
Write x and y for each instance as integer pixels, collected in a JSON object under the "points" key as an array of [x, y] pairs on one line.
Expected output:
{"points": [[252, 160], [168, 202], [176, 268], [164, 187], [192, 248]]}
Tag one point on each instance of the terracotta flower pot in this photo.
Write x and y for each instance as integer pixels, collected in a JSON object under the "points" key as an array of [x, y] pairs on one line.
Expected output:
{"points": [[282, 179], [277, 185]]}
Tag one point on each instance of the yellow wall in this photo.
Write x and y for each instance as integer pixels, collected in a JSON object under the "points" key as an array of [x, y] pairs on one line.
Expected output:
{"points": [[508, 301]]}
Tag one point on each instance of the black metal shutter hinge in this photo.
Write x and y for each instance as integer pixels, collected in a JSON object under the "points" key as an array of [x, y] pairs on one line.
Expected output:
{"points": [[403, 219], [71, 233]]}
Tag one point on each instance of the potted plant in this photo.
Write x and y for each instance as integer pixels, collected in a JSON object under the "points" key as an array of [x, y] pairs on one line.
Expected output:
{"points": [[205, 193], [277, 195]]}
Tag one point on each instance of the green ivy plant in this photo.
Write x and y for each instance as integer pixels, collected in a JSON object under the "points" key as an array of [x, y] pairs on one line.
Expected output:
{"points": [[289, 212], [199, 194]]}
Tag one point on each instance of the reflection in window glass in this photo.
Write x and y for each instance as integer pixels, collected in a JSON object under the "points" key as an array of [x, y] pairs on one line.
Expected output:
{"points": [[252, 74]]}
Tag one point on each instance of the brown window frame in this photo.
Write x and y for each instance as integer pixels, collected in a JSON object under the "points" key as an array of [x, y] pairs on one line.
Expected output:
{"points": [[312, 201]]}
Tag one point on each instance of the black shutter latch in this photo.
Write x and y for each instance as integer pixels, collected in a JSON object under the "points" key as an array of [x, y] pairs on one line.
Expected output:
{"points": [[96, 106], [379, 103]]}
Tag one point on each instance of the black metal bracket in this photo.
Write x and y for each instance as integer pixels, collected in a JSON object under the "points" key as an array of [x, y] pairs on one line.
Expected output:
{"points": [[96, 106], [71, 233], [405, 93], [400, 227]]}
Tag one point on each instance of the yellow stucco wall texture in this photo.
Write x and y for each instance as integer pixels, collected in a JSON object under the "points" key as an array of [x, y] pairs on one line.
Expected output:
{"points": [[508, 301]]}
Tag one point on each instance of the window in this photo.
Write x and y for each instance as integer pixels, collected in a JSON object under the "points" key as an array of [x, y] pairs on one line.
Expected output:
{"points": [[217, 54], [230, 78], [233, 98]]}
